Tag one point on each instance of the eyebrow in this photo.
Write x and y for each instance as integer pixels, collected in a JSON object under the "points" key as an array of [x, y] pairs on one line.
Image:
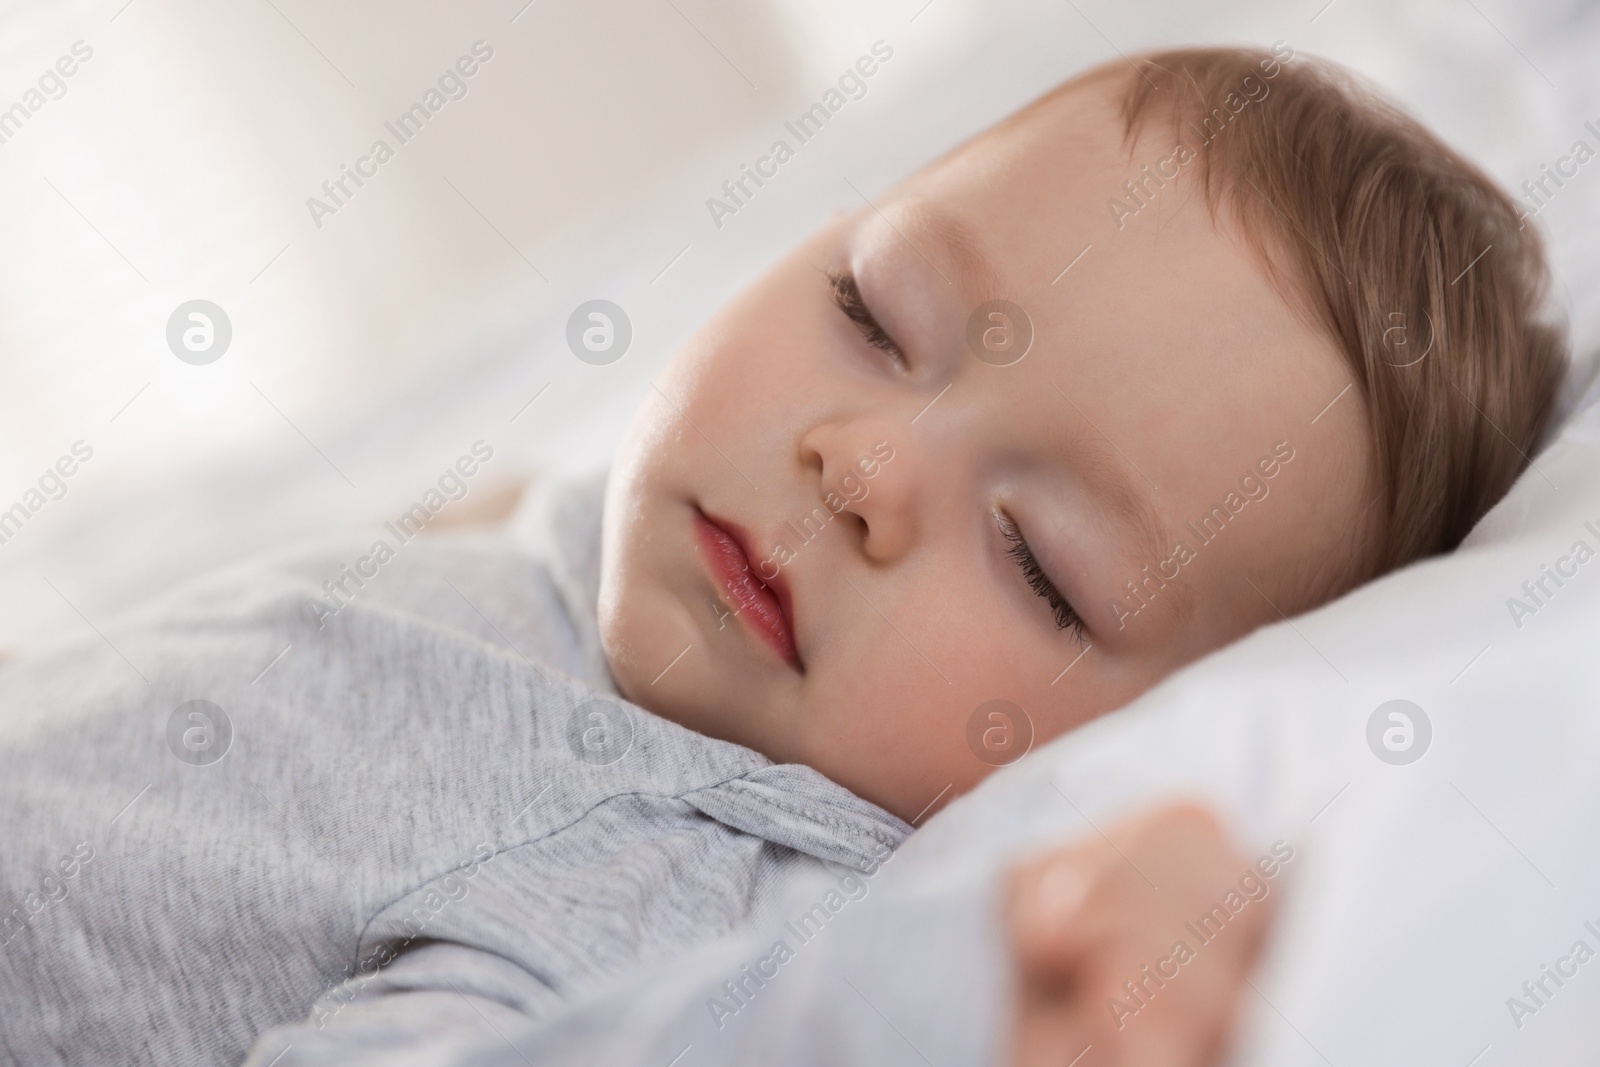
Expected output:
{"points": [[961, 245]]}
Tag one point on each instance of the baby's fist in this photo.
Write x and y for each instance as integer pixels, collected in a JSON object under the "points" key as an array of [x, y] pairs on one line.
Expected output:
{"points": [[1106, 935]]}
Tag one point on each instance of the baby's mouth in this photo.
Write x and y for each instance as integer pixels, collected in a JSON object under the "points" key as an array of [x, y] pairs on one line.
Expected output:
{"points": [[763, 605]]}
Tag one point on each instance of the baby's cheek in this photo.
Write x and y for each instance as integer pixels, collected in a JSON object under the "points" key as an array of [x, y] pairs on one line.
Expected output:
{"points": [[894, 717]]}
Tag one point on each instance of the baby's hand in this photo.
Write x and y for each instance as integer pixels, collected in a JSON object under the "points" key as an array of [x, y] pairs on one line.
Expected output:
{"points": [[1095, 929]]}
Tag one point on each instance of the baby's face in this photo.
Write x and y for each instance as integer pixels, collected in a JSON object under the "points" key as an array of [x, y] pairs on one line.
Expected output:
{"points": [[834, 533]]}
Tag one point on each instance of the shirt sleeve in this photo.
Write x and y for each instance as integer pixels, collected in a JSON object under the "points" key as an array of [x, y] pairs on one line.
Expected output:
{"points": [[913, 976], [436, 1003]]}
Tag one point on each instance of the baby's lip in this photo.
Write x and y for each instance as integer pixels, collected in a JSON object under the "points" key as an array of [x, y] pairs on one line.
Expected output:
{"points": [[765, 604]]}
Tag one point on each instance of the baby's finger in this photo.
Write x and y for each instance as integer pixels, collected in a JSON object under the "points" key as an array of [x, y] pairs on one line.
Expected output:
{"points": [[1057, 908], [1157, 1009]]}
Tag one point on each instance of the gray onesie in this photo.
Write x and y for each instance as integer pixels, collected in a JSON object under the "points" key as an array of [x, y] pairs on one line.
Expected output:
{"points": [[239, 809]]}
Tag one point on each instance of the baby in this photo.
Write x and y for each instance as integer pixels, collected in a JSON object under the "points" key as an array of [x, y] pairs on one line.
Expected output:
{"points": [[1247, 355], [1192, 344]]}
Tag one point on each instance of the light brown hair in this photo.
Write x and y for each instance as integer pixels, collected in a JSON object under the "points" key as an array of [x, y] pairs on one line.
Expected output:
{"points": [[1369, 222]]}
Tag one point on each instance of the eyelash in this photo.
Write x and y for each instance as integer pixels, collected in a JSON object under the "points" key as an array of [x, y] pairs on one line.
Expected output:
{"points": [[847, 295], [1066, 617]]}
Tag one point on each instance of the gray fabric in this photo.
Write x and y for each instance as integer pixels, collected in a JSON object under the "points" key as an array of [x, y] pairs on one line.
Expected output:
{"points": [[915, 975], [400, 819]]}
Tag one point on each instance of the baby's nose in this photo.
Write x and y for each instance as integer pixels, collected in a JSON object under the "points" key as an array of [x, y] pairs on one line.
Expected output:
{"points": [[862, 470]]}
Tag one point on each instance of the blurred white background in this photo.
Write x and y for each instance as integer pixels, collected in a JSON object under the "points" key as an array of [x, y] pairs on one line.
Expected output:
{"points": [[370, 352]]}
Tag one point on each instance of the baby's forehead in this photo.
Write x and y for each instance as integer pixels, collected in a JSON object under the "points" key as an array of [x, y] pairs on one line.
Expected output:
{"points": [[1078, 126], [1062, 176]]}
